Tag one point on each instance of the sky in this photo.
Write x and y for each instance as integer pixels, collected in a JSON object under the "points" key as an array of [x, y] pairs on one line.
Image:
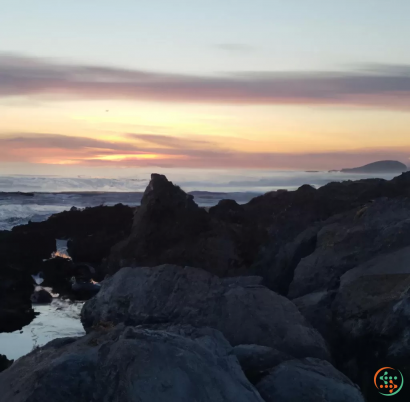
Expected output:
{"points": [[104, 87]]}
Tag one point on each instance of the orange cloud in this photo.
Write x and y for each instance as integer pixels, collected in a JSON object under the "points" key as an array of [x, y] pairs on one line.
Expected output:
{"points": [[144, 151]]}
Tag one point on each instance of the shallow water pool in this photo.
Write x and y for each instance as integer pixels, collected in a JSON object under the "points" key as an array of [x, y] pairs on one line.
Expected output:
{"points": [[59, 319]]}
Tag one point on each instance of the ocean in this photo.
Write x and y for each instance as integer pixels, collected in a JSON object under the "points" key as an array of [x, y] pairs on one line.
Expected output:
{"points": [[48, 195]]}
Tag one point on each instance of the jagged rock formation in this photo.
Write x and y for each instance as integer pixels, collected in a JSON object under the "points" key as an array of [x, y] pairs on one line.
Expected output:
{"points": [[170, 228]]}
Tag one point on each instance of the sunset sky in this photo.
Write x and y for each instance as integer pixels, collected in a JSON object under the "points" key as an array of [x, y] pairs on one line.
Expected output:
{"points": [[99, 86]]}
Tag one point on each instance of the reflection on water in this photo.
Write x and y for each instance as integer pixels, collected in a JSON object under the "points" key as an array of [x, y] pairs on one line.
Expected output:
{"points": [[59, 319], [61, 246]]}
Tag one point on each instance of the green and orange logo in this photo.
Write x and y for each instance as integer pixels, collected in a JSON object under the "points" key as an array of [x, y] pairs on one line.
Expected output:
{"points": [[388, 381]]}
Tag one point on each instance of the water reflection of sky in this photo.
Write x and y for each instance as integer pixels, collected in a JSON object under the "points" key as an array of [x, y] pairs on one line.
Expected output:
{"points": [[57, 320]]}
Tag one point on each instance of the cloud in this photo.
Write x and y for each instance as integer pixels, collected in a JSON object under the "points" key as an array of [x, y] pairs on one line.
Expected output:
{"points": [[149, 150], [381, 86], [39, 140], [173, 142]]}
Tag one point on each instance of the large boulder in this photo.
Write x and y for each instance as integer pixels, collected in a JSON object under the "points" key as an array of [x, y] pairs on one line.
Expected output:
{"points": [[349, 239], [244, 312], [308, 380], [373, 302], [170, 228], [366, 320], [130, 365]]}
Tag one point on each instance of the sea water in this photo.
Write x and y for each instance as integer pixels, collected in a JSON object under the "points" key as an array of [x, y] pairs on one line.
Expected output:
{"points": [[52, 194], [59, 319]]}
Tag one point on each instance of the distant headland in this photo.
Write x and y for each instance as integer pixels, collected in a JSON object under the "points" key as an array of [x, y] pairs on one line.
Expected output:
{"points": [[379, 167]]}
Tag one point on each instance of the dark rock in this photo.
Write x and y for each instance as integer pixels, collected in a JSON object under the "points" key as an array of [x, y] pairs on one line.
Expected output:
{"points": [[283, 260], [92, 231], [229, 211], [15, 308], [93, 248], [257, 360], [244, 281], [170, 294], [5, 363], [170, 228], [373, 303], [288, 214], [130, 365], [57, 273], [82, 223], [308, 380], [85, 290], [24, 251], [351, 239], [317, 309], [41, 296], [20, 256]]}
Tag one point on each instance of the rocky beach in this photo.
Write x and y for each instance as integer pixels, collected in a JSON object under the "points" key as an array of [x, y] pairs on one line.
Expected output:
{"points": [[293, 295]]}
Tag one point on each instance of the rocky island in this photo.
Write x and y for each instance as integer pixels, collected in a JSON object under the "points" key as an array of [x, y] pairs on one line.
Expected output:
{"points": [[294, 296], [379, 167]]}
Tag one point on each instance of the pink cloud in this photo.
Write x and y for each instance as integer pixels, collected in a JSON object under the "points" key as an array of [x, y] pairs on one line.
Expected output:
{"points": [[144, 152]]}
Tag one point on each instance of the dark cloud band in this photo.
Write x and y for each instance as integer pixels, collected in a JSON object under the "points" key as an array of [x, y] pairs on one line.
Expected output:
{"points": [[384, 86]]}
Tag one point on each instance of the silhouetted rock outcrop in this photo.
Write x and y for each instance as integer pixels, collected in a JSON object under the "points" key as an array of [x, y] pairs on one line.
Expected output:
{"points": [[20, 255], [92, 231], [170, 228]]}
